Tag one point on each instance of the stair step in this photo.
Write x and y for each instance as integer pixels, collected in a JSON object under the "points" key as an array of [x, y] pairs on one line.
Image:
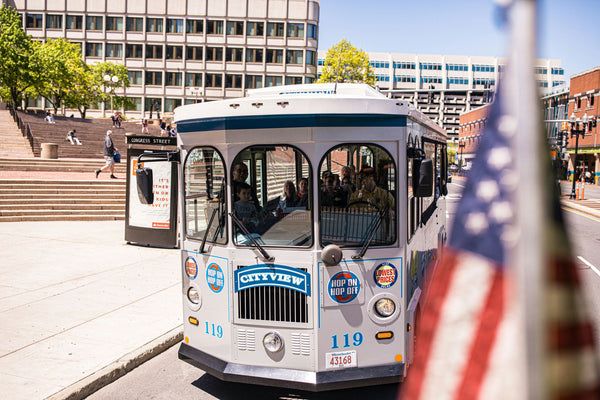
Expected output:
{"points": [[23, 218], [43, 212]]}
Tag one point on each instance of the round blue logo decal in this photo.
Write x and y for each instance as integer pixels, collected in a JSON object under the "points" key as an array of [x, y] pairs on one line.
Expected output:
{"points": [[385, 275], [215, 278], [343, 287]]}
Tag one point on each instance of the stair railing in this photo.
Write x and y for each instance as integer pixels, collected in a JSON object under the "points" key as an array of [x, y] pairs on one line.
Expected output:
{"points": [[24, 128]]}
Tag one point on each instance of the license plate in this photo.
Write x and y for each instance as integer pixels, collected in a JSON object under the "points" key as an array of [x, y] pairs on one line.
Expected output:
{"points": [[342, 359]]}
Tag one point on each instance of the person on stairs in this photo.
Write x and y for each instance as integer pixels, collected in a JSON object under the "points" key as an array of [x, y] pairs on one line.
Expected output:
{"points": [[109, 151], [72, 138]]}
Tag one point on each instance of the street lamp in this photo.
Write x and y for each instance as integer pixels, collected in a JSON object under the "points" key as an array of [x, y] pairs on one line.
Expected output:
{"points": [[112, 81], [461, 145], [575, 131]]}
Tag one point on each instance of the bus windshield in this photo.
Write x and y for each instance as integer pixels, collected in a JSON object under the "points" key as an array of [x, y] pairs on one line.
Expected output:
{"points": [[270, 196], [357, 197]]}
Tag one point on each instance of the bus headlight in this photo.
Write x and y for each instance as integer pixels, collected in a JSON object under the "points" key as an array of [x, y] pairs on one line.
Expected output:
{"points": [[273, 342], [385, 307], [193, 295]]}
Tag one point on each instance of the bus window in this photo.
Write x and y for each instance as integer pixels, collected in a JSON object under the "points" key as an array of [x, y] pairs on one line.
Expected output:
{"points": [[204, 178], [357, 196], [271, 200]]}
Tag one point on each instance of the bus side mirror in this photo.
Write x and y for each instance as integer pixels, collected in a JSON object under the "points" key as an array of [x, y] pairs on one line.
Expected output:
{"points": [[423, 177], [144, 185]]}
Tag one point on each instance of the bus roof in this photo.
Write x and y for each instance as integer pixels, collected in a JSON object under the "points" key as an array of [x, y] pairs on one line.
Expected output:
{"points": [[319, 100]]}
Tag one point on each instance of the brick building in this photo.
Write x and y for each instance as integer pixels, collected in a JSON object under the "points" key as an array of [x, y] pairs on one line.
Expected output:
{"points": [[584, 96], [469, 134]]}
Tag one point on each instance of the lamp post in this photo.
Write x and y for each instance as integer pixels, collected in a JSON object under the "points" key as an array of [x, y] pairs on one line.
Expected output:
{"points": [[461, 146], [574, 121], [112, 82]]}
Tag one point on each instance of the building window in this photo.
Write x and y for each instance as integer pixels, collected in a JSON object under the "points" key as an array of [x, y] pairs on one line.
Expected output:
{"points": [[273, 81], [93, 23], [403, 65], [294, 57], [255, 28], [557, 71], [135, 77], [214, 80], [53, 21], [174, 25], [234, 54], [541, 70], [274, 56], [431, 79], [254, 55], [135, 104], [154, 25], [458, 81], [235, 28], [194, 53], [379, 64], [293, 80], [214, 27], [485, 82], [93, 49], [382, 78], [154, 78], [405, 79], [214, 54], [114, 24], [134, 24], [114, 50], [457, 67], [172, 104], [483, 68], [74, 22], [276, 29], [134, 51], [430, 66], [172, 78], [193, 79], [34, 21], [154, 51], [311, 31], [253, 81], [295, 30], [174, 52], [194, 26], [233, 81], [153, 104], [311, 57]]}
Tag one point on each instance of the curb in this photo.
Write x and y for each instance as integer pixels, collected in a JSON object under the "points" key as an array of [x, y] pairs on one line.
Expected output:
{"points": [[581, 209], [122, 366]]}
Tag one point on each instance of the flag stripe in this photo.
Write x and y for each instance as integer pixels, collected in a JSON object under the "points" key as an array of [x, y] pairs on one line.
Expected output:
{"points": [[489, 323], [434, 298]]}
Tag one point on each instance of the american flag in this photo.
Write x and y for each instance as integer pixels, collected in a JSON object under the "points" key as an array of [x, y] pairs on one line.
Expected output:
{"points": [[469, 334]]}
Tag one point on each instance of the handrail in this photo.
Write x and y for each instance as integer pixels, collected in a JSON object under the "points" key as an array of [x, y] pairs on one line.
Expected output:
{"points": [[25, 129]]}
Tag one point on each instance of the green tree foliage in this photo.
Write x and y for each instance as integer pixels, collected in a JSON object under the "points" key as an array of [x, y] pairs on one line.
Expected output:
{"points": [[346, 63], [20, 68]]}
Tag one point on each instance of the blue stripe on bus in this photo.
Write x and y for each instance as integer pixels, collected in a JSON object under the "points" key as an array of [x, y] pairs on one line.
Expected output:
{"points": [[290, 121]]}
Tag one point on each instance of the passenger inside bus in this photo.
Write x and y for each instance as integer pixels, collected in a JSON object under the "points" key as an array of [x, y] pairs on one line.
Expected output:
{"points": [[245, 209], [290, 199], [332, 195], [303, 195], [370, 193], [240, 174]]}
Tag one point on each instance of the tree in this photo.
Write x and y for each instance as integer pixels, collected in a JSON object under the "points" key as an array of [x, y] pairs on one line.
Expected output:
{"points": [[63, 66], [346, 63], [103, 73], [20, 69]]}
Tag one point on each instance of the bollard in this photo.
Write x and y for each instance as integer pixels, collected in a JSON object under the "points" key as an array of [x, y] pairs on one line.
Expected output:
{"points": [[49, 150], [577, 190], [582, 190]]}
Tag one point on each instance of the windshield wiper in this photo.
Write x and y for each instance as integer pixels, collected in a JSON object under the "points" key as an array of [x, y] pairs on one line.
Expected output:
{"points": [[212, 217], [370, 234], [246, 232]]}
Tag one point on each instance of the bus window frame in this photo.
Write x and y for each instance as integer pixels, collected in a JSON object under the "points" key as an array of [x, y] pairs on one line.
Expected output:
{"points": [[223, 189], [253, 175], [356, 153]]}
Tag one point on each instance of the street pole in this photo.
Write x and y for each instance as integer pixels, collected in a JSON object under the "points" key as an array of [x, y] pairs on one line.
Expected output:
{"points": [[576, 131]]}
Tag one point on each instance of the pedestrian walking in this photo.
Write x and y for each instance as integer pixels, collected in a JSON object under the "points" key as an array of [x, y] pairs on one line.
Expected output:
{"points": [[145, 127], [109, 155]]}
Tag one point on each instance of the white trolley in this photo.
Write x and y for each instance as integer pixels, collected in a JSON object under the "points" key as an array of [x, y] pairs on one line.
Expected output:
{"points": [[309, 216]]}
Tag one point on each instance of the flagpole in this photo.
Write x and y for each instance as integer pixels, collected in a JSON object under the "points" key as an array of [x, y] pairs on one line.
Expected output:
{"points": [[528, 257]]}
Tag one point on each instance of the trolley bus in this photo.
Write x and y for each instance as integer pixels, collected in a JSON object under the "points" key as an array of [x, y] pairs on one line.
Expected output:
{"points": [[309, 216]]}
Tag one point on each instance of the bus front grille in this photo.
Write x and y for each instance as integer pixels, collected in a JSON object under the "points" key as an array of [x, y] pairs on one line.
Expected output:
{"points": [[269, 303]]}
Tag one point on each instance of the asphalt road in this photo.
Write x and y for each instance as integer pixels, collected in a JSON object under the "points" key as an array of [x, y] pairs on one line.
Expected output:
{"points": [[166, 377]]}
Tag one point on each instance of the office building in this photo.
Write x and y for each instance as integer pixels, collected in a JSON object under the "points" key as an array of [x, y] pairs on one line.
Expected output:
{"points": [[183, 51]]}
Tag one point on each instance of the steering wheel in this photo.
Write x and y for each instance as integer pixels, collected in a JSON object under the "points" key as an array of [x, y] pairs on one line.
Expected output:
{"points": [[368, 203]]}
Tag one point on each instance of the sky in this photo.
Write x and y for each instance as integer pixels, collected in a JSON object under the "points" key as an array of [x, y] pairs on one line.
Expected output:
{"points": [[568, 30]]}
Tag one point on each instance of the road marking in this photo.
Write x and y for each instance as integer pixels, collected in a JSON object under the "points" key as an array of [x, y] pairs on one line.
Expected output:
{"points": [[452, 183], [581, 214], [586, 262]]}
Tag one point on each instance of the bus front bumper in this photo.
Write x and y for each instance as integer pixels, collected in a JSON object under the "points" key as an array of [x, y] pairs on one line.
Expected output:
{"points": [[290, 378]]}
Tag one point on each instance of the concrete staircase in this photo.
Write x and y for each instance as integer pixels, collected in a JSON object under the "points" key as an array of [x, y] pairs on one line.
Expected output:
{"points": [[12, 142], [61, 200], [60, 165]]}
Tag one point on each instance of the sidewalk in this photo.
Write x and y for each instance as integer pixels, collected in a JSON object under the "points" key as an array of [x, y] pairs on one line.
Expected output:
{"points": [[79, 307]]}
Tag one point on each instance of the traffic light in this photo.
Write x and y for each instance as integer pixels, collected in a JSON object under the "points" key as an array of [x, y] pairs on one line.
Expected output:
{"points": [[565, 140], [594, 121]]}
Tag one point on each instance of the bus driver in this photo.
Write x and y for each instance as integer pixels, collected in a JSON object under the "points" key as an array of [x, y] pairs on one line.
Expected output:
{"points": [[370, 192]]}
